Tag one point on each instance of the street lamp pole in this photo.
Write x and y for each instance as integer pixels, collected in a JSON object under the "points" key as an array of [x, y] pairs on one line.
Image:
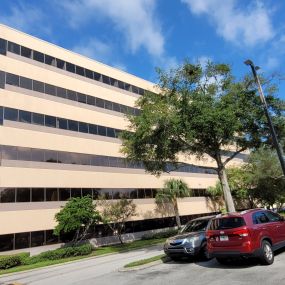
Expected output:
{"points": [[272, 130]]}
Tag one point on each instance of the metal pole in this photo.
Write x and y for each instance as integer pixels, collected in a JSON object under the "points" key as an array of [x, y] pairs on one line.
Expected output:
{"points": [[272, 130]]}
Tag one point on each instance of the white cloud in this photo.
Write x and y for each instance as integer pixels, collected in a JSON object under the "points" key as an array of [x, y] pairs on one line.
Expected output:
{"points": [[136, 20], [247, 27]]}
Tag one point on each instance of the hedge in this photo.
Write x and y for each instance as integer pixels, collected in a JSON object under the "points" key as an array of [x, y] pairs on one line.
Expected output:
{"points": [[8, 261]]}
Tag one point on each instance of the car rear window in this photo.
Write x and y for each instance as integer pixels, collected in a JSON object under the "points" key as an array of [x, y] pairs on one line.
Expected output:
{"points": [[227, 223]]}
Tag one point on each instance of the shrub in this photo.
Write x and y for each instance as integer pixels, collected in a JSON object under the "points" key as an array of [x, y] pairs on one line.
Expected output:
{"points": [[8, 261], [159, 235]]}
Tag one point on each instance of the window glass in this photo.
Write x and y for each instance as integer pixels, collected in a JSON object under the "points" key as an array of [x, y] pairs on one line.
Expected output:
{"points": [[62, 123], [61, 92], [106, 79], [141, 91], [26, 52], [114, 82], [9, 152], [60, 63], [38, 194], [93, 129], [99, 160], [50, 121], [70, 67], [123, 109], [80, 70], [64, 157], [26, 83], [89, 73], [117, 133], [71, 95], [50, 237], [37, 238], [121, 193], [14, 48], [260, 218], [101, 131], [25, 116], [108, 105], [134, 194], [38, 56], [38, 86], [116, 107], [22, 240], [95, 193], [81, 98], [273, 217], [38, 155], [127, 86], [141, 194], [50, 89], [100, 103], [91, 100], [87, 192], [12, 79], [227, 223], [83, 127], [110, 132], [84, 159], [64, 194], [50, 60], [2, 79], [23, 195], [38, 119], [1, 115], [3, 46], [10, 114], [76, 192], [6, 241], [73, 125], [135, 89], [121, 84], [24, 153], [97, 76], [51, 194], [106, 193], [148, 193], [50, 156], [7, 195]]}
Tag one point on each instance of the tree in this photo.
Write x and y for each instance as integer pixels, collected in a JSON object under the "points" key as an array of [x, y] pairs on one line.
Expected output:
{"points": [[116, 213], [199, 111], [173, 189], [77, 216]]}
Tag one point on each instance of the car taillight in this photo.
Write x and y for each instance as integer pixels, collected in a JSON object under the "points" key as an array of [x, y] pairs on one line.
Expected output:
{"points": [[208, 234], [241, 233]]}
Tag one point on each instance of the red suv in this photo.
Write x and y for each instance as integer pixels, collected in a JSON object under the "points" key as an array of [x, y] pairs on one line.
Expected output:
{"points": [[252, 233]]}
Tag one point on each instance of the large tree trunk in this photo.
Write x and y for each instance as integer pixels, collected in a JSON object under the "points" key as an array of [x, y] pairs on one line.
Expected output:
{"points": [[225, 186], [177, 217]]}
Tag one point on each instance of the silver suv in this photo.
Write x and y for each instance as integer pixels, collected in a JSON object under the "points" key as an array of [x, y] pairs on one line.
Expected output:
{"points": [[191, 240]]}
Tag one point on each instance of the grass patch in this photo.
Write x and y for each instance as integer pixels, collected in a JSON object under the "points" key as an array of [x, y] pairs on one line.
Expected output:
{"points": [[97, 252], [162, 257]]}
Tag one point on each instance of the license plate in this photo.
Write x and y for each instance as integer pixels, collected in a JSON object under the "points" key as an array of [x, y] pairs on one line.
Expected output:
{"points": [[224, 238]]}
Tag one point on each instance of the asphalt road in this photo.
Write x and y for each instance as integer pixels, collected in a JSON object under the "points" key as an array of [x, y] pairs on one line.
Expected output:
{"points": [[104, 270]]}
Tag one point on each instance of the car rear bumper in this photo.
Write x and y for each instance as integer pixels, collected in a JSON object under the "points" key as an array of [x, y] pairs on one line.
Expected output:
{"points": [[234, 254]]}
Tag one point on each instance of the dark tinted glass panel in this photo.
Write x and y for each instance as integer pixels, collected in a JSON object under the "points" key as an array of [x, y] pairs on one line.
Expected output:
{"points": [[76, 192], [25, 117], [95, 193], [38, 194], [73, 125], [6, 241], [38, 86], [141, 194], [93, 129], [99, 160], [102, 131], [50, 60], [9, 152], [24, 153], [10, 114], [22, 240], [38, 119], [97, 76], [50, 89], [110, 132], [123, 109], [70, 67], [260, 218], [38, 155], [80, 70], [14, 48], [60, 63], [64, 157], [38, 56], [106, 79], [134, 194], [116, 107], [121, 193], [61, 92], [51, 194], [64, 194], [26, 52], [50, 237], [141, 91], [84, 159], [2, 79], [135, 89], [127, 87], [148, 193], [71, 95], [23, 195], [50, 156], [1, 115], [12, 79], [113, 161], [227, 223], [62, 123], [100, 103], [89, 73], [91, 100], [106, 193], [37, 238], [121, 85], [50, 121], [87, 192], [26, 83], [3, 46], [108, 105], [81, 98], [273, 217], [7, 195], [114, 82], [83, 127]]}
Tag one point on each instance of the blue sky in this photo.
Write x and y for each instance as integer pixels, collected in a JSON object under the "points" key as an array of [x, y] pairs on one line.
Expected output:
{"points": [[139, 35]]}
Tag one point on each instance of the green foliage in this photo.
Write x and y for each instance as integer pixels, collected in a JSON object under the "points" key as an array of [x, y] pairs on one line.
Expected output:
{"points": [[77, 216], [160, 235], [8, 261]]}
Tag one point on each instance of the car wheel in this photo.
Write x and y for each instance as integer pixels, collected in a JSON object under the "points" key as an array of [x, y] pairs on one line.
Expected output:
{"points": [[204, 253], [267, 254]]}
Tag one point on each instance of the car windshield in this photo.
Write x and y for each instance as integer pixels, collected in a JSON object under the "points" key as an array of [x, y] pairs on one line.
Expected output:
{"points": [[195, 226]]}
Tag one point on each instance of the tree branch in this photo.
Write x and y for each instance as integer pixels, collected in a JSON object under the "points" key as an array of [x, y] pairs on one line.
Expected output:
{"points": [[234, 155]]}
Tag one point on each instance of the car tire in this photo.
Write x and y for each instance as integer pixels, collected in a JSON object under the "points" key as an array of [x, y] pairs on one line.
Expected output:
{"points": [[267, 254], [204, 255]]}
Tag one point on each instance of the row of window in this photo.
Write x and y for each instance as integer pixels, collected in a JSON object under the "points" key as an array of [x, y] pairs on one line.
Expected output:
{"points": [[55, 122], [52, 156], [39, 238], [30, 84], [12, 195], [70, 67]]}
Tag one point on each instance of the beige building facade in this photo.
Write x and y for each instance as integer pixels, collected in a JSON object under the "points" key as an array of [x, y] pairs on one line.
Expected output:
{"points": [[60, 116]]}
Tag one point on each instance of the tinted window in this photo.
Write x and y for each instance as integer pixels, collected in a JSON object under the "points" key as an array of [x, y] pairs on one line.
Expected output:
{"points": [[76, 192], [141, 194], [38, 194], [7, 195], [134, 194], [37, 238], [50, 89], [97, 76], [12, 79], [38, 56], [81, 98], [62, 123], [121, 85], [50, 60], [9, 152], [116, 107], [26, 83], [38, 86], [71, 95], [70, 67], [14, 48], [51, 194], [10, 114], [23, 195], [110, 132], [93, 129], [108, 105], [2, 79], [83, 127], [113, 82], [22, 240], [3, 46], [50, 121], [91, 100], [80, 70], [50, 156], [87, 192], [50, 237], [135, 89], [89, 73], [38, 155], [25, 117], [6, 241], [1, 115], [24, 153], [26, 52], [60, 63], [106, 79], [101, 131], [73, 125], [61, 92], [227, 223], [100, 102], [260, 218], [273, 217], [38, 119], [64, 194]]}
